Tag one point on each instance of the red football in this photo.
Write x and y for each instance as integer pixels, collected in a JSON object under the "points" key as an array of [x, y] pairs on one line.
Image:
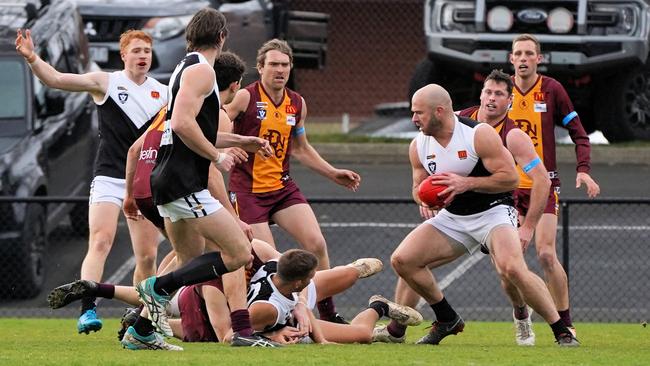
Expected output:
{"points": [[428, 192]]}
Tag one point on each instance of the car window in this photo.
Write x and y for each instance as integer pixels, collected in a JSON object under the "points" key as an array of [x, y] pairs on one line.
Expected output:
{"points": [[13, 98]]}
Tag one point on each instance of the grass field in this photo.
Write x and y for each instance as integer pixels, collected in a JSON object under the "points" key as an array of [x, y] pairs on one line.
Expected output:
{"points": [[55, 342]]}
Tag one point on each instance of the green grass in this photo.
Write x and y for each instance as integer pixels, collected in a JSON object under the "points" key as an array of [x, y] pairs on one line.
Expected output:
{"points": [[55, 342]]}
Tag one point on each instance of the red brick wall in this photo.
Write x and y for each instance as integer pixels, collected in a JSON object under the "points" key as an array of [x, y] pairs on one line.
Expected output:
{"points": [[373, 47]]}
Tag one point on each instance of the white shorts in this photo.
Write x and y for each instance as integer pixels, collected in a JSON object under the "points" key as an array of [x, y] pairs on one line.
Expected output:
{"points": [[193, 206], [173, 309], [107, 189], [472, 231]]}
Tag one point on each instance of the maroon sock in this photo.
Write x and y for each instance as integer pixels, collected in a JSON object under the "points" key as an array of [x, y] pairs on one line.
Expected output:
{"points": [[105, 290], [521, 312], [326, 308], [565, 315], [396, 329], [241, 322]]}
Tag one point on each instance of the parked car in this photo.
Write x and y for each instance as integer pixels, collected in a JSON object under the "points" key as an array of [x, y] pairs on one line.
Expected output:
{"points": [[250, 24], [48, 139], [598, 49]]}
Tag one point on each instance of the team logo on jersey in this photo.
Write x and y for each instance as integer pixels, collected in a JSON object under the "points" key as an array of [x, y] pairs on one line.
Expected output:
{"points": [[155, 94], [290, 109], [432, 167], [276, 141], [431, 157], [123, 97], [523, 104], [538, 96], [261, 113], [462, 154]]}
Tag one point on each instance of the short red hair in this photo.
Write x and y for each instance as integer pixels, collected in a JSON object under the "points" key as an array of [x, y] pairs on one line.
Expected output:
{"points": [[131, 34]]}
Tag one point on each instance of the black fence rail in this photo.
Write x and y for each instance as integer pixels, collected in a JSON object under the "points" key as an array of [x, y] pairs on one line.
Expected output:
{"points": [[602, 243]]}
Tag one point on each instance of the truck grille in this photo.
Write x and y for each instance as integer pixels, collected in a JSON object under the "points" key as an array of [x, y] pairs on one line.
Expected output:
{"points": [[109, 29]]}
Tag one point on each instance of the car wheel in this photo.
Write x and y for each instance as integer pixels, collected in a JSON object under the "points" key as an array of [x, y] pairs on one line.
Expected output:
{"points": [[623, 106], [26, 261], [424, 74], [79, 219]]}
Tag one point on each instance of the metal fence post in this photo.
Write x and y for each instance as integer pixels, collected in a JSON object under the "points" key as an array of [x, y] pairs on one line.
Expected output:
{"points": [[565, 238]]}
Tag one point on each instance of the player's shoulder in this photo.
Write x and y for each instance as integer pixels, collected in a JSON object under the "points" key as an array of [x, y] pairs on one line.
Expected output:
{"points": [[550, 83], [467, 112]]}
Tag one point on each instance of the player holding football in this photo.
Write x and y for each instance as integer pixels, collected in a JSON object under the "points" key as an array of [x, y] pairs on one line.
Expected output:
{"points": [[470, 159], [539, 104]]}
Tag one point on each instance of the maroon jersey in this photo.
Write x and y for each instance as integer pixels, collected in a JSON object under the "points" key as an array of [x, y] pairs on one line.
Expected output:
{"points": [[275, 123], [537, 111], [503, 127], [148, 155]]}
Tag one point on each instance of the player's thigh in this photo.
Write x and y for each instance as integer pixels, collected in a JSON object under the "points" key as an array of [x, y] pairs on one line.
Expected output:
{"points": [[185, 239], [262, 231], [426, 245], [546, 232], [221, 228], [102, 220], [300, 222], [144, 237], [505, 248]]}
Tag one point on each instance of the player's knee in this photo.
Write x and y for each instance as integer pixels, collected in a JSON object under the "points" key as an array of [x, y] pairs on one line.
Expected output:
{"points": [[512, 272], [100, 244], [399, 263], [146, 261], [365, 338], [316, 245], [547, 259]]}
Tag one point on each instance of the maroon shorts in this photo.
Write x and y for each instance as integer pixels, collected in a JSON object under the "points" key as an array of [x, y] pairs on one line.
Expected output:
{"points": [[150, 211], [255, 208], [194, 315], [522, 200]]}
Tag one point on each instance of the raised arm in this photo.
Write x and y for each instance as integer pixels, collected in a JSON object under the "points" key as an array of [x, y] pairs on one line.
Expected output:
{"points": [[96, 83], [309, 157]]}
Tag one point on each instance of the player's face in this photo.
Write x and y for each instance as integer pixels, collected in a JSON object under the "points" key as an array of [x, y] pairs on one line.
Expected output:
{"points": [[424, 116], [275, 71], [137, 56], [524, 58], [495, 100]]}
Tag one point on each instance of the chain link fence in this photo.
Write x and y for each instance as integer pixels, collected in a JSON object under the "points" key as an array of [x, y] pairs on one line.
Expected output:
{"points": [[603, 243]]}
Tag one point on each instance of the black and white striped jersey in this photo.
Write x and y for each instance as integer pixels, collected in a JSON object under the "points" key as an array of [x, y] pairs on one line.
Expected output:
{"points": [[179, 171], [124, 114]]}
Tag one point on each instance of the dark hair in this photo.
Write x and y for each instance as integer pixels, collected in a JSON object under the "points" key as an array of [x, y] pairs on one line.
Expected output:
{"points": [[205, 30], [229, 68], [274, 44], [498, 76], [296, 264]]}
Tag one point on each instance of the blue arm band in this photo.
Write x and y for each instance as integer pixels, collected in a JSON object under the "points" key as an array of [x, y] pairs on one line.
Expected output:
{"points": [[299, 131], [569, 117], [531, 165]]}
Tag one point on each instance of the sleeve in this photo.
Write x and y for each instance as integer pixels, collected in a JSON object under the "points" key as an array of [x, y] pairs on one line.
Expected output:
{"points": [[569, 119]]}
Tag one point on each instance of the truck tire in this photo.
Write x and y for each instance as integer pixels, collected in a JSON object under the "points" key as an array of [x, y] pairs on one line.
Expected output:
{"points": [[24, 272], [424, 74], [623, 106]]}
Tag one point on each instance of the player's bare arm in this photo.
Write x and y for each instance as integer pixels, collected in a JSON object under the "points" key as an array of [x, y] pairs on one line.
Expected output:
{"points": [[218, 311], [96, 83], [308, 156], [238, 104], [522, 149], [263, 315], [249, 143], [129, 207], [496, 159]]}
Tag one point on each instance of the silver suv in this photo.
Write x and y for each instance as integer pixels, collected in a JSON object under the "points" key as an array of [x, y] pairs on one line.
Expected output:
{"points": [[598, 49]]}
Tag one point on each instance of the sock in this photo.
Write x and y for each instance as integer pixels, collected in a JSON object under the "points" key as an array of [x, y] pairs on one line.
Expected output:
{"points": [[521, 312], [565, 315], [88, 303], [143, 326], [241, 322], [200, 269], [559, 328], [444, 312], [105, 290], [326, 308], [380, 307], [396, 329]]}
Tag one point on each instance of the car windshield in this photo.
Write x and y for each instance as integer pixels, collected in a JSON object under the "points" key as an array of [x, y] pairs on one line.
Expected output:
{"points": [[12, 89]]}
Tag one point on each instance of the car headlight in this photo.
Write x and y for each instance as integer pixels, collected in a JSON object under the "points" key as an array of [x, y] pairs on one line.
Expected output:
{"points": [[167, 27]]}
